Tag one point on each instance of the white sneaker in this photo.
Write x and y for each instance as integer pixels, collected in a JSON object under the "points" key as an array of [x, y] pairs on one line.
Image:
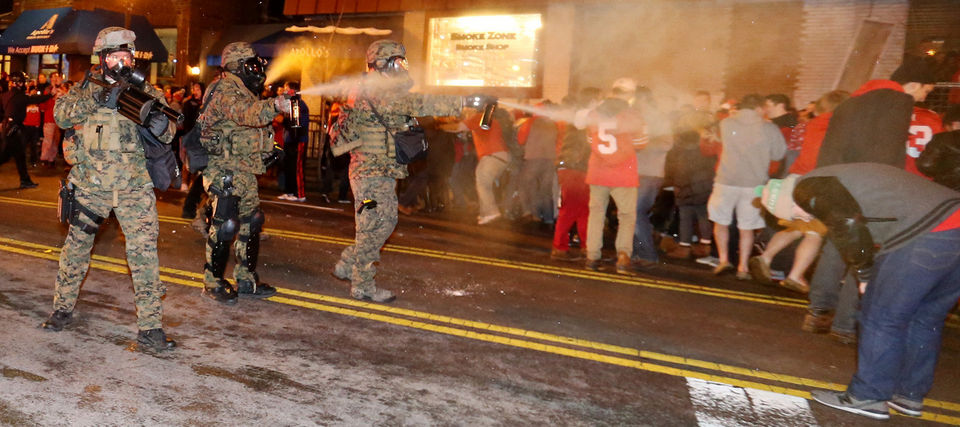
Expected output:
{"points": [[487, 219], [287, 197], [709, 260], [300, 199]]}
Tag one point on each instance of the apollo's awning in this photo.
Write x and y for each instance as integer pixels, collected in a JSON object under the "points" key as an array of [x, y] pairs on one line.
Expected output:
{"points": [[68, 31]]}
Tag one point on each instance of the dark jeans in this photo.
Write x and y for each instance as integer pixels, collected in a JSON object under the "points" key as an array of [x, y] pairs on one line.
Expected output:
{"points": [[643, 247], [13, 146], [688, 214], [832, 289], [193, 198], [902, 317]]}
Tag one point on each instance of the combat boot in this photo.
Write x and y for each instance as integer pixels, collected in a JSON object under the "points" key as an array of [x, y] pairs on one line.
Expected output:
{"points": [[817, 321], [253, 288], [223, 293], [58, 320], [155, 339], [373, 294]]}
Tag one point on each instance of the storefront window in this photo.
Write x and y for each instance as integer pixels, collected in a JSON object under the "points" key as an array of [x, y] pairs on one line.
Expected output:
{"points": [[484, 51]]}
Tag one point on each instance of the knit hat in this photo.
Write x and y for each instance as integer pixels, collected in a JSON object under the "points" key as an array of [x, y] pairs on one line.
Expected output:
{"points": [[914, 70], [777, 196]]}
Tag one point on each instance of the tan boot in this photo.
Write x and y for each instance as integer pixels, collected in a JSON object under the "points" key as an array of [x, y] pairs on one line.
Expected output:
{"points": [[623, 263], [817, 322], [680, 252], [701, 250]]}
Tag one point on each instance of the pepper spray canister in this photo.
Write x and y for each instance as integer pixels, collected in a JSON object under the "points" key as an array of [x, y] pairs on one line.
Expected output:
{"points": [[295, 111], [487, 117]]}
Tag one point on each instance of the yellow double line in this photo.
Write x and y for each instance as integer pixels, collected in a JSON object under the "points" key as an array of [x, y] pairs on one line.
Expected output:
{"points": [[953, 321], [505, 335]]}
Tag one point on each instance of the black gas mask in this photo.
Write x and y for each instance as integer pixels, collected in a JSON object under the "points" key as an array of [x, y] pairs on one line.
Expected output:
{"points": [[392, 66], [253, 72]]}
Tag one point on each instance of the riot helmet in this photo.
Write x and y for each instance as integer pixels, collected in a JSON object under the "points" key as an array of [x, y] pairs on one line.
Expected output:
{"points": [[240, 59], [387, 57], [116, 49]]}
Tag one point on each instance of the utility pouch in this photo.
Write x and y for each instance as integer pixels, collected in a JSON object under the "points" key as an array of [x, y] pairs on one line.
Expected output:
{"points": [[409, 145]]}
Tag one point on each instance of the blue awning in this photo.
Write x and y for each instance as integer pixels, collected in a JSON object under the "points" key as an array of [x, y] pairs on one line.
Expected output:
{"points": [[68, 31]]}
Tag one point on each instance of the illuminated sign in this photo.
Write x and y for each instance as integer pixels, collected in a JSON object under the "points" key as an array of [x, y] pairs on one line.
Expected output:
{"points": [[45, 30], [487, 51], [31, 50]]}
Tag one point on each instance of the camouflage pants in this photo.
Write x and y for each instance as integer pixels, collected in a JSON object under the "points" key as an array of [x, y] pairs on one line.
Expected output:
{"points": [[136, 211], [245, 187], [373, 227]]}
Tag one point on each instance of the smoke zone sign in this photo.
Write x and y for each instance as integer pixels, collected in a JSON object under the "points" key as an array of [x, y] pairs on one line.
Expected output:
{"points": [[483, 51]]}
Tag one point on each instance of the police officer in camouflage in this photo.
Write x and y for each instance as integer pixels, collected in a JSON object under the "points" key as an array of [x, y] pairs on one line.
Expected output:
{"points": [[374, 170], [110, 174], [236, 135]]}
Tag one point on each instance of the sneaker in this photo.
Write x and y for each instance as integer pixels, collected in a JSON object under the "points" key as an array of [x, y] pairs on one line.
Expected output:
{"points": [[760, 271], [58, 319], [344, 201], [906, 406], [817, 321], [375, 294], [876, 409], [567, 255], [155, 339], [709, 260], [486, 219], [287, 197], [592, 264], [300, 199]]}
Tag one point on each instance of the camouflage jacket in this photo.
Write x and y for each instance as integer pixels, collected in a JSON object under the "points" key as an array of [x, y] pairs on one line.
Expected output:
{"points": [[235, 127], [105, 152], [375, 155]]}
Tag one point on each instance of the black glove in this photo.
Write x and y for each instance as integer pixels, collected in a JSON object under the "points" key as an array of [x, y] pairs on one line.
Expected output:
{"points": [[478, 100], [108, 96], [274, 156], [157, 123]]}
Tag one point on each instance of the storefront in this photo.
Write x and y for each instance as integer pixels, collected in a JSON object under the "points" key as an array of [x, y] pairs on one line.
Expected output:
{"points": [[61, 40]]}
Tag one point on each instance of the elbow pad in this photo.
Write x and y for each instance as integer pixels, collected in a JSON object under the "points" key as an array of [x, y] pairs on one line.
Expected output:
{"points": [[828, 200]]}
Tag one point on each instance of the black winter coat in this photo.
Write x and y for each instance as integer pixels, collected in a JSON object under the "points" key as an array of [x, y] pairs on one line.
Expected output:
{"points": [[872, 128], [688, 171]]}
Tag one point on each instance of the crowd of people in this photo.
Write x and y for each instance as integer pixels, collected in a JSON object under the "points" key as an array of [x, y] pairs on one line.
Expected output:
{"points": [[863, 185]]}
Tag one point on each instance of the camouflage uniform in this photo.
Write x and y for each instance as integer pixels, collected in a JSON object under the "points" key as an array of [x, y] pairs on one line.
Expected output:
{"points": [[373, 165], [236, 135], [109, 173]]}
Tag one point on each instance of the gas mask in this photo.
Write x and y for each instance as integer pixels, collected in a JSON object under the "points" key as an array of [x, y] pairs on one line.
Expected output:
{"points": [[121, 71], [253, 72], [393, 66]]}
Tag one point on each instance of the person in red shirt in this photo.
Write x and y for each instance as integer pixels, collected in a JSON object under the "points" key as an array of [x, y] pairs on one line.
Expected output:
{"points": [[51, 132], [612, 128], [492, 162], [924, 124]]}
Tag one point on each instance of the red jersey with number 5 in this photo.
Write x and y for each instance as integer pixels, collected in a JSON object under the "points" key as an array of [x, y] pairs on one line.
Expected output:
{"points": [[923, 125], [613, 144]]}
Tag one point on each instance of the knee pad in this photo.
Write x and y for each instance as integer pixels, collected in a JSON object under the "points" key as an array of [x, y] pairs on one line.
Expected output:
{"points": [[226, 209], [227, 229], [256, 220]]}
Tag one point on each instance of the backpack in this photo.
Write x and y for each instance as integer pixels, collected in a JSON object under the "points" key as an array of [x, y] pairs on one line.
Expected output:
{"points": [[197, 154]]}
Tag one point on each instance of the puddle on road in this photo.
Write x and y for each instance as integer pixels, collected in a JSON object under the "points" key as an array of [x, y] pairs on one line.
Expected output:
{"points": [[16, 373]]}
